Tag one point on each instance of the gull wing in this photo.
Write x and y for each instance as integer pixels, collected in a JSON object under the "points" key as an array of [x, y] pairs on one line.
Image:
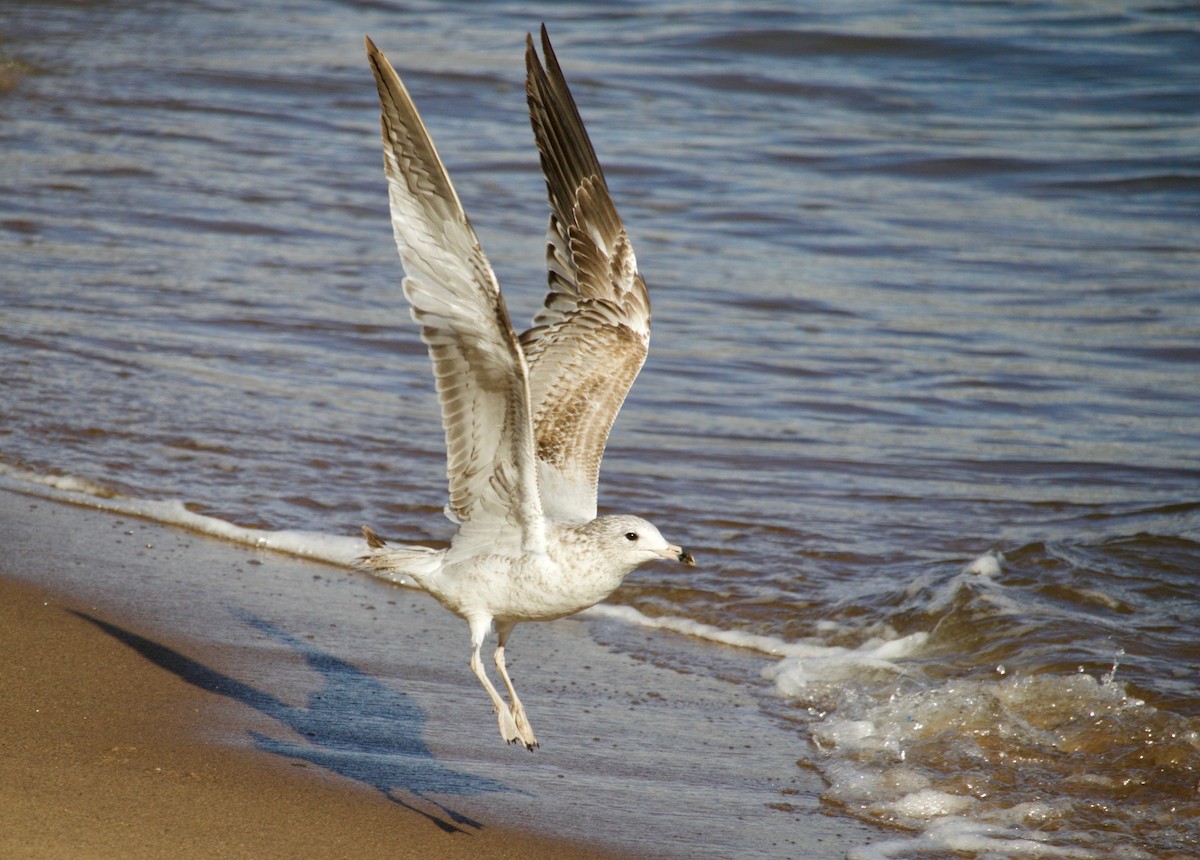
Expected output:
{"points": [[590, 338], [480, 369]]}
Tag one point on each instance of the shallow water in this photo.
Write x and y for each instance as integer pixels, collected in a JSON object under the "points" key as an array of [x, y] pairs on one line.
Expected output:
{"points": [[924, 282]]}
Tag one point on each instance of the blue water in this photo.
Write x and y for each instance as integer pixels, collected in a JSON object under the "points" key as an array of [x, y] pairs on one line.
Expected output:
{"points": [[924, 281]]}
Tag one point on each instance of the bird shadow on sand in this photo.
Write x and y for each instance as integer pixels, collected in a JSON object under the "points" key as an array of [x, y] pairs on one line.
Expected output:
{"points": [[353, 725]]}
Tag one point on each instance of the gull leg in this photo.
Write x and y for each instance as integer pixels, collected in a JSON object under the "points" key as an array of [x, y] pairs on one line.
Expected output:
{"points": [[518, 710], [508, 727]]}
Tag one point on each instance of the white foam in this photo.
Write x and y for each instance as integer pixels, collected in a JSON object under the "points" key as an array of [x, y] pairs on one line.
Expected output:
{"points": [[862, 787], [882, 757], [1033, 812], [334, 549], [989, 564], [979, 581], [961, 834], [804, 666], [929, 803], [802, 661], [751, 641]]}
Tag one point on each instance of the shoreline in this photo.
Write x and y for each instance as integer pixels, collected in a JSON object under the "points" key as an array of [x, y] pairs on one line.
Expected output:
{"points": [[105, 735], [104, 757], [169, 692]]}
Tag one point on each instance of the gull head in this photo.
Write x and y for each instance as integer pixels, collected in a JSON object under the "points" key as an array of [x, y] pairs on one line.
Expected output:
{"points": [[635, 541]]}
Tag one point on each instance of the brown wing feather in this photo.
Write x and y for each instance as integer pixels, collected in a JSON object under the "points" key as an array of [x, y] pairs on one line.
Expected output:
{"points": [[478, 364], [589, 340]]}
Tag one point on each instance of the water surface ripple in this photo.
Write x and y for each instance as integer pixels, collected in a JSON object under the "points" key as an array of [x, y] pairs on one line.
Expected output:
{"points": [[925, 286]]}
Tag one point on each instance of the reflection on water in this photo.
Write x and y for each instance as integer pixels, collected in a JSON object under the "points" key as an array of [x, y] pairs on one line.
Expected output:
{"points": [[924, 286]]}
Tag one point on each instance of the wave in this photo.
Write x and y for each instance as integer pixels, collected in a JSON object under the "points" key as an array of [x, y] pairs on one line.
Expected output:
{"points": [[1013, 767], [984, 762], [979, 759]]}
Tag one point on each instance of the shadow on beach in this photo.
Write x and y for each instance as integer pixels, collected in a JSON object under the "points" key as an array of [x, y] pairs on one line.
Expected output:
{"points": [[352, 726]]}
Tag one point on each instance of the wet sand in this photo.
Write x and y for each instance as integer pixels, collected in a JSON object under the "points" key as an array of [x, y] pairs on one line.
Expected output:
{"points": [[165, 693], [103, 728], [103, 758]]}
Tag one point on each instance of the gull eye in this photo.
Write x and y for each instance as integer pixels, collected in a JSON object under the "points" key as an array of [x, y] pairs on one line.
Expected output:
{"points": [[631, 536]]}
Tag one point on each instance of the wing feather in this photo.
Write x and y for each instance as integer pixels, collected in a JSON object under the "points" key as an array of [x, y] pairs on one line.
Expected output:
{"points": [[590, 338], [479, 366]]}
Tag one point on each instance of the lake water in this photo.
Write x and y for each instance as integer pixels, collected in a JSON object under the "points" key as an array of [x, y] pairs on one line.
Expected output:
{"points": [[923, 394]]}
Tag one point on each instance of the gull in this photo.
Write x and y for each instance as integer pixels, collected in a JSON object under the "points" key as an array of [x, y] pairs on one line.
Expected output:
{"points": [[526, 417]]}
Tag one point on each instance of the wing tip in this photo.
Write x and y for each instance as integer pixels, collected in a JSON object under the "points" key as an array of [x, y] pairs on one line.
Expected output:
{"points": [[547, 48]]}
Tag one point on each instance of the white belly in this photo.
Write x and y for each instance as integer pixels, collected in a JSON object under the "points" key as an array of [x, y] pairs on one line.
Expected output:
{"points": [[531, 588]]}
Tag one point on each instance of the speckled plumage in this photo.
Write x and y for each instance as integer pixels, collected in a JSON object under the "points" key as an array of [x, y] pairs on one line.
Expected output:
{"points": [[526, 418]]}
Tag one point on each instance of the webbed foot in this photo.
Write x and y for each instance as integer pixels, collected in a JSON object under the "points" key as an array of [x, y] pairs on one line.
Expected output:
{"points": [[514, 728]]}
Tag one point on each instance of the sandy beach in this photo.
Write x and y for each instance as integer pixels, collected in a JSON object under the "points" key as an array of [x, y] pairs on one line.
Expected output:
{"points": [[103, 758], [166, 693]]}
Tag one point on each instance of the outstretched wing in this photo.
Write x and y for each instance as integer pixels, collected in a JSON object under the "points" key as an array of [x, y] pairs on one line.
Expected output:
{"points": [[478, 363], [590, 338]]}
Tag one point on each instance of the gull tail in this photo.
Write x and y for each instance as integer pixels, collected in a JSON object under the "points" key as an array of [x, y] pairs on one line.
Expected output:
{"points": [[400, 564]]}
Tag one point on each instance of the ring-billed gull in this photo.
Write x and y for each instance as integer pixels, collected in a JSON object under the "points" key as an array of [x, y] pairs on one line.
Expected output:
{"points": [[526, 418]]}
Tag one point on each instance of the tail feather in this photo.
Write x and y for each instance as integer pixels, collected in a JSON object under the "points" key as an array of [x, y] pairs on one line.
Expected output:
{"points": [[374, 541], [403, 564]]}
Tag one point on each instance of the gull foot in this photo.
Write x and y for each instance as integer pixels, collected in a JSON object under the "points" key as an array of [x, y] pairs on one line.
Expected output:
{"points": [[515, 730], [530, 742], [523, 727], [508, 726], [529, 745]]}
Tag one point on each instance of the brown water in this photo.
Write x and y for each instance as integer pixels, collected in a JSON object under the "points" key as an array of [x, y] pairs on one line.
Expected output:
{"points": [[925, 285]]}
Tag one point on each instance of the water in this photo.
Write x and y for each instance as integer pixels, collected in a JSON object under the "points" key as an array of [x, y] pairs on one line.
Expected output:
{"points": [[925, 286]]}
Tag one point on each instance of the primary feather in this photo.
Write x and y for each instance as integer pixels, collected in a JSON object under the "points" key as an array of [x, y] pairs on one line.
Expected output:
{"points": [[592, 334]]}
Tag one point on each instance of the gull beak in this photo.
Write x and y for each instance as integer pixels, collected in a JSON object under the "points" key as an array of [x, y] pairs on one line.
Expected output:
{"points": [[679, 554]]}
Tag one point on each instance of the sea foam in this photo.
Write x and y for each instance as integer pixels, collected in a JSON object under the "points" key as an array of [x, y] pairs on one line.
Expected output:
{"points": [[80, 491]]}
